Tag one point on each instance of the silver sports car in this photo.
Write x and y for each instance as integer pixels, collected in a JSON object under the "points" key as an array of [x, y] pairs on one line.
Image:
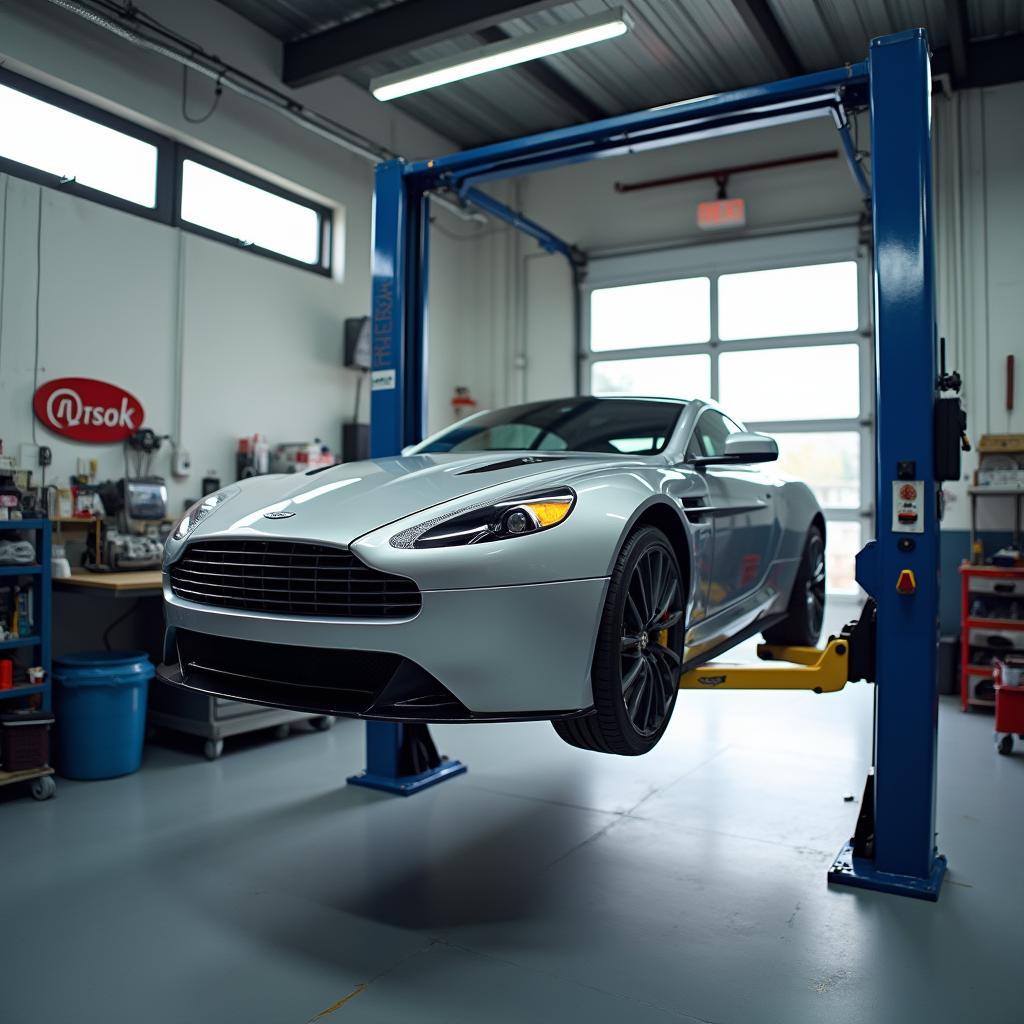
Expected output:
{"points": [[560, 560]]}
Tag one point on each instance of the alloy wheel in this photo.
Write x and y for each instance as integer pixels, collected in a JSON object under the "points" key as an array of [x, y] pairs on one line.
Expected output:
{"points": [[815, 587], [651, 624]]}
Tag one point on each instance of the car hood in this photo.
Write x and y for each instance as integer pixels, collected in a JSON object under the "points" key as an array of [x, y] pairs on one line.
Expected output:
{"points": [[340, 504]]}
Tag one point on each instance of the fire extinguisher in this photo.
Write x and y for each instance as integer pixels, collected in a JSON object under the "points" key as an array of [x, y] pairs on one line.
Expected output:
{"points": [[463, 403]]}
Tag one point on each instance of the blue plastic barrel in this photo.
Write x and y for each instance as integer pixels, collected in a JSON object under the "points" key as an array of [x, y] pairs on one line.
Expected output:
{"points": [[101, 712]]}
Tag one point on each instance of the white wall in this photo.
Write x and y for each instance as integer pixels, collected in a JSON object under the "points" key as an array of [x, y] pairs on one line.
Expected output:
{"points": [[261, 341], [980, 234]]}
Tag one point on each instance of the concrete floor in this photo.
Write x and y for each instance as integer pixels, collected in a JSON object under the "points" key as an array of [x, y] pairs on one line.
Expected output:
{"points": [[546, 885]]}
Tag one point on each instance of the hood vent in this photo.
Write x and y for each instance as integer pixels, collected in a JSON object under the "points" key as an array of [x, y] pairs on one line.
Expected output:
{"points": [[522, 460]]}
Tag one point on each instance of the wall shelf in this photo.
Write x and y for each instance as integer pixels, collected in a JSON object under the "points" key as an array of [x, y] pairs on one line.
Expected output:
{"points": [[22, 691], [19, 641], [42, 607]]}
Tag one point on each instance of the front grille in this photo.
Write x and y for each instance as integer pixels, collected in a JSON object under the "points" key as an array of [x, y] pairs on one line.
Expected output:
{"points": [[290, 579]]}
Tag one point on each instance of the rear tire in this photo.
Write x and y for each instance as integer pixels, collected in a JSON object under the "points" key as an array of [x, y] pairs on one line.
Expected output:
{"points": [[805, 614], [635, 671]]}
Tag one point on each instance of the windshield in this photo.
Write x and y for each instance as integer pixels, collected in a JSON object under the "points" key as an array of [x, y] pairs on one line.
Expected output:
{"points": [[632, 426]]}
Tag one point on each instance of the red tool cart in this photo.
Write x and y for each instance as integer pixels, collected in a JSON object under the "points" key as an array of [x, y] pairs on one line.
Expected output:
{"points": [[1009, 679], [992, 620]]}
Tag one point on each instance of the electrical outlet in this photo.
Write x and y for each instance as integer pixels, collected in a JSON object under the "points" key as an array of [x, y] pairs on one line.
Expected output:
{"points": [[182, 463], [28, 456]]}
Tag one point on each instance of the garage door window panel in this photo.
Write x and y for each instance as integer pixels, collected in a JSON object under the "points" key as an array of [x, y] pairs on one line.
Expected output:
{"points": [[657, 377], [827, 461], [788, 302], [651, 315], [843, 539], [809, 382]]}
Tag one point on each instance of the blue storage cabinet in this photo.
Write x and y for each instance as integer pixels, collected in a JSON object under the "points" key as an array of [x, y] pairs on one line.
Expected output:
{"points": [[39, 642]]}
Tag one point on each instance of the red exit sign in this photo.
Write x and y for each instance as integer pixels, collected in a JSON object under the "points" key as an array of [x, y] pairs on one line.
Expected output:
{"points": [[721, 213]]}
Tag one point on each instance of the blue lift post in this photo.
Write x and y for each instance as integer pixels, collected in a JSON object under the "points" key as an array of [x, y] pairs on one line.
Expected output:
{"points": [[896, 853], [400, 758], [894, 847]]}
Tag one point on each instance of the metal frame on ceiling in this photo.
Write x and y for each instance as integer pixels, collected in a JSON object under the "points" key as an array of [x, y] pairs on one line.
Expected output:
{"points": [[394, 29], [895, 851]]}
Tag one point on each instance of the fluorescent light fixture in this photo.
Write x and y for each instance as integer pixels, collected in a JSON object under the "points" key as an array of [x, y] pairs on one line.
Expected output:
{"points": [[494, 56]]}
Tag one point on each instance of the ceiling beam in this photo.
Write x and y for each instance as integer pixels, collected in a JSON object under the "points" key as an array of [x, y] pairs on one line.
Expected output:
{"points": [[762, 24], [549, 79], [956, 27], [994, 61], [398, 28]]}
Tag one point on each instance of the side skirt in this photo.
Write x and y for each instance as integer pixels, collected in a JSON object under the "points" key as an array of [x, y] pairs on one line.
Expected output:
{"points": [[752, 630]]}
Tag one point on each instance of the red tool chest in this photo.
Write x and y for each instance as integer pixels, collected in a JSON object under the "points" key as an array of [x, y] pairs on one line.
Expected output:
{"points": [[992, 621]]}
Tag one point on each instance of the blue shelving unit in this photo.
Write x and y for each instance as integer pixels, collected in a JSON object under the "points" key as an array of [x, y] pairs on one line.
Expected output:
{"points": [[42, 610]]}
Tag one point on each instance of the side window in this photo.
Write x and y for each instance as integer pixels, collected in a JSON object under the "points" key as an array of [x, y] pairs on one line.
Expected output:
{"points": [[710, 433]]}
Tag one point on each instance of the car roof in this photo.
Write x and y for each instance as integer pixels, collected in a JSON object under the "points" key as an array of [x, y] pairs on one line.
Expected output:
{"points": [[626, 398]]}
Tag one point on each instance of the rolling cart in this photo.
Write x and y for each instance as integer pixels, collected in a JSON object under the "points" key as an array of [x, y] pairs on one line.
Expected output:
{"points": [[1009, 706], [37, 643]]}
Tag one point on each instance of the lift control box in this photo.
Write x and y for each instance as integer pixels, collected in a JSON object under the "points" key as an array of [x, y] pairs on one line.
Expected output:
{"points": [[908, 506]]}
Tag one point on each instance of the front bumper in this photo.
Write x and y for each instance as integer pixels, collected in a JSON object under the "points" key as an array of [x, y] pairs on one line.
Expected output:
{"points": [[513, 652]]}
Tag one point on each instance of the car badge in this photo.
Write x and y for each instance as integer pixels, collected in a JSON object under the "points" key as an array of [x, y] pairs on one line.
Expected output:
{"points": [[278, 515]]}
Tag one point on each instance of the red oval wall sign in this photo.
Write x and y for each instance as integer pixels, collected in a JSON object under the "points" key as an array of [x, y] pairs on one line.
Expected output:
{"points": [[87, 410]]}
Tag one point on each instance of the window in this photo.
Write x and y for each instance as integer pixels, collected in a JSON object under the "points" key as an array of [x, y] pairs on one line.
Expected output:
{"points": [[657, 377], [578, 425], [651, 315], [710, 433], [503, 436], [812, 382], [56, 145], [61, 142], [638, 445], [225, 203], [819, 299]]}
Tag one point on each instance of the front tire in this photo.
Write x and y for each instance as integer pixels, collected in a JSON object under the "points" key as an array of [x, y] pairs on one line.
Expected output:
{"points": [[805, 614], [636, 665]]}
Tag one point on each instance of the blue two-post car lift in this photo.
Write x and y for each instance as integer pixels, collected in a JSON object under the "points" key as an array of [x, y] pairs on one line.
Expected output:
{"points": [[894, 852]]}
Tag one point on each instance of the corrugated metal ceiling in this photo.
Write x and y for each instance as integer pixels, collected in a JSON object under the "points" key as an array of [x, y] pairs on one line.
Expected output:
{"points": [[678, 49]]}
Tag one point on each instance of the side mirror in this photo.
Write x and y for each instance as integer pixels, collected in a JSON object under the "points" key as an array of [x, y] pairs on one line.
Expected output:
{"points": [[742, 447], [751, 447]]}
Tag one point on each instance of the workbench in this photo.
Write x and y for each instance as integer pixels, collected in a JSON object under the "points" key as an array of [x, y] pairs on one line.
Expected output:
{"points": [[172, 707], [136, 584]]}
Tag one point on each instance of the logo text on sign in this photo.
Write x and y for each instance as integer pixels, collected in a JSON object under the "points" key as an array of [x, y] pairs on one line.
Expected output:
{"points": [[84, 409]]}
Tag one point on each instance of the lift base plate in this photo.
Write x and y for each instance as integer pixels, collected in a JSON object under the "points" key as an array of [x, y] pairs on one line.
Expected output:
{"points": [[861, 873], [406, 785]]}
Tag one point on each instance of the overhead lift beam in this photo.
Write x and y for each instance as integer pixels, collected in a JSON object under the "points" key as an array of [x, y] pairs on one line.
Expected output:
{"points": [[894, 848]]}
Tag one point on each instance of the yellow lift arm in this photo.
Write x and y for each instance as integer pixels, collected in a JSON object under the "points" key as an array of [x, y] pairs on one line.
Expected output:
{"points": [[810, 668], [845, 658]]}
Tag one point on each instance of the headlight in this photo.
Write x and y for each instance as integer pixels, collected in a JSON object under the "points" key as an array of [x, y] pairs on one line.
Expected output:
{"points": [[200, 510], [500, 521]]}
